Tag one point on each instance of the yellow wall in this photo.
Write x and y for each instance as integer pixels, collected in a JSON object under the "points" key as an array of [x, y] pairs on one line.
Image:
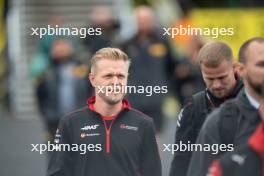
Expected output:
{"points": [[247, 23]]}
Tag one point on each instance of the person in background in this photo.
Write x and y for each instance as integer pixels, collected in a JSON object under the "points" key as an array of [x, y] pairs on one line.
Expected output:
{"points": [[63, 86], [187, 71], [152, 64], [102, 17]]}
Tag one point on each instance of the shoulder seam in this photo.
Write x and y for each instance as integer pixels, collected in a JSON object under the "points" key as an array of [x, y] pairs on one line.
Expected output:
{"points": [[70, 114], [141, 113]]}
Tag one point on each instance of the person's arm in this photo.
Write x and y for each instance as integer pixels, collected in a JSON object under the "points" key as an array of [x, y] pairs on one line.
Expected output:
{"points": [[184, 133], [150, 158], [208, 136], [60, 163]]}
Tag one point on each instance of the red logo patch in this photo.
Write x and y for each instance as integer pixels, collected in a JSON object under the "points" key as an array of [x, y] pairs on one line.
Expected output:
{"points": [[82, 135], [122, 125]]}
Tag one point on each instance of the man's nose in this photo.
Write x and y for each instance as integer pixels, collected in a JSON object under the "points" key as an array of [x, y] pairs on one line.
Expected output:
{"points": [[115, 80], [216, 84]]}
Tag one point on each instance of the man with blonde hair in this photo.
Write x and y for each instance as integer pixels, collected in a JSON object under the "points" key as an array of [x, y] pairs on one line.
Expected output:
{"points": [[222, 83], [120, 140]]}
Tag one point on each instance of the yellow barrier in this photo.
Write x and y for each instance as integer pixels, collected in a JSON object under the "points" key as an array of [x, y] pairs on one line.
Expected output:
{"points": [[247, 23]]}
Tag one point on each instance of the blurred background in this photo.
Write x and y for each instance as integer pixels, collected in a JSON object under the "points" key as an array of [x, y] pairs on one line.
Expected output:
{"points": [[43, 78]]}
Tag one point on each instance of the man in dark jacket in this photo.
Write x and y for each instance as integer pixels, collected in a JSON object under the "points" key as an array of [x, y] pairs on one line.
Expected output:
{"points": [[63, 86], [152, 64], [216, 63], [246, 160], [120, 141], [236, 120]]}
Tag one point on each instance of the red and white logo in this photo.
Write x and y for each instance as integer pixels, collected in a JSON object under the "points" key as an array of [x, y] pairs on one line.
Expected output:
{"points": [[83, 135], [124, 126]]}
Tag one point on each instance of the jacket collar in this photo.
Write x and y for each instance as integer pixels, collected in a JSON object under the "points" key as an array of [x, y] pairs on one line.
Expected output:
{"points": [[91, 101], [249, 112], [252, 101], [218, 101]]}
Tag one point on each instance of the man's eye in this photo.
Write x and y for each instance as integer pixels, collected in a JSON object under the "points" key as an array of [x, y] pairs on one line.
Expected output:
{"points": [[261, 64], [222, 77], [121, 76], [107, 76]]}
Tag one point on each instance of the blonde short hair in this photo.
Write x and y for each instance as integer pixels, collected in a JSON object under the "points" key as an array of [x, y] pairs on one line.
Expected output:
{"points": [[214, 53], [108, 53]]}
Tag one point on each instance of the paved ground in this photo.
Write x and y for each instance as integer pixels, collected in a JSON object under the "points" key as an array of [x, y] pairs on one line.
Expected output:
{"points": [[16, 158], [167, 137], [15, 149]]}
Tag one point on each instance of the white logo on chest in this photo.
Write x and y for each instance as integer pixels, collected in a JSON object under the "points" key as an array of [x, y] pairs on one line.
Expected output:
{"points": [[238, 159], [89, 127]]}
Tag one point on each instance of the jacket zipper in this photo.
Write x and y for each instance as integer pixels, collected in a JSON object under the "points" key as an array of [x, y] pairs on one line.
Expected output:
{"points": [[108, 135]]}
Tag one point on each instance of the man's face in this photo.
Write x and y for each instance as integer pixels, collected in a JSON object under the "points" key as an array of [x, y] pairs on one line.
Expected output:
{"points": [[145, 20], [220, 80], [253, 70], [109, 78], [61, 50]]}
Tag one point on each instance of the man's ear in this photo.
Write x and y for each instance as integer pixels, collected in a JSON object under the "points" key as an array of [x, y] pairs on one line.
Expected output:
{"points": [[240, 69], [91, 78]]}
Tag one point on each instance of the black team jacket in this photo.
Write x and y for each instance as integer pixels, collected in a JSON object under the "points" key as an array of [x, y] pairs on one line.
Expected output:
{"points": [[246, 118], [245, 160], [190, 121], [124, 145]]}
